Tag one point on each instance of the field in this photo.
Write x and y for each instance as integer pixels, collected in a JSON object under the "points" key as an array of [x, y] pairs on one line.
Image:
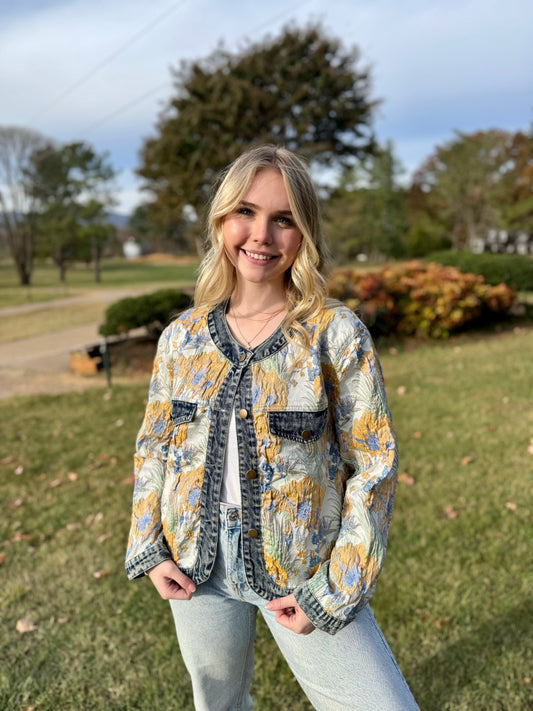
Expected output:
{"points": [[454, 598]]}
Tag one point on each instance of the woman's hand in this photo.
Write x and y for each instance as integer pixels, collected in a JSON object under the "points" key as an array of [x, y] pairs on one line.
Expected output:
{"points": [[289, 615], [170, 582]]}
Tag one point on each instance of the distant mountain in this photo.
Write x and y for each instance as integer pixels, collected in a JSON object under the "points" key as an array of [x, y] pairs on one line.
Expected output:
{"points": [[117, 220]]}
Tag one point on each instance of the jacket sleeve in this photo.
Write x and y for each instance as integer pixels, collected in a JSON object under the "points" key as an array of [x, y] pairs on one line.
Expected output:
{"points": [[146, 545], [343, 585]]}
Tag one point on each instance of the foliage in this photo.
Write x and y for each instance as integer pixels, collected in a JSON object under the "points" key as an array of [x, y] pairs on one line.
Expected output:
{"points": [[477, 182], [453, 599], [17, 203], [152, 311], [301, 89], [366, 213], [514, 270], [71, 187], [417, 299]]}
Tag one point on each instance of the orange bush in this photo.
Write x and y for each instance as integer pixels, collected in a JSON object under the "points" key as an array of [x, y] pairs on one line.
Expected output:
{"points": [[415, 298]]}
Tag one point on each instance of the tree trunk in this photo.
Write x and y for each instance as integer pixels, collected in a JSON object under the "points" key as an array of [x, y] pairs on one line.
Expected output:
{"points": [[96, 260]]}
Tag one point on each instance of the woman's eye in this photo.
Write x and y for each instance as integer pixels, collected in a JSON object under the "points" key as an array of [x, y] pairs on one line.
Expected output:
{"points": [[244, 211], [285, 221]]}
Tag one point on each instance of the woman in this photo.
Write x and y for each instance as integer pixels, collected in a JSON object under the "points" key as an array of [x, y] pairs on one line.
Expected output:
{"points": [[266, 463]]}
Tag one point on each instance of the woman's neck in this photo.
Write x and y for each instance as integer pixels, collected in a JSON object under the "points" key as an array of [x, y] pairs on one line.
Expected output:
{"points": [[257, 299]]}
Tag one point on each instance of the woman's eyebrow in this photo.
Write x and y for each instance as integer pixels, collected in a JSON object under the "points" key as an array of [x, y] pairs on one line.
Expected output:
{"points": [[245, 203]]}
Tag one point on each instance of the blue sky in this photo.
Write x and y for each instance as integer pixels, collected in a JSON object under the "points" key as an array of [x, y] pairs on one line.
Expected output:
{"points": [[99, 70]]}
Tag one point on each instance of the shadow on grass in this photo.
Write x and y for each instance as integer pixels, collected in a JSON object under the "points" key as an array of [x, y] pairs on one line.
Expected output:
{"points": [[493, 655]]}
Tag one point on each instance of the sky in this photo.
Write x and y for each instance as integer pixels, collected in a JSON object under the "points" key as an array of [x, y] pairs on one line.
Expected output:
{"points": [[100, 70]]}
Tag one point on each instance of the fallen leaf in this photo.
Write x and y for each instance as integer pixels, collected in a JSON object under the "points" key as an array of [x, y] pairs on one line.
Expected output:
{"points": [[103, 457], [107, 395], [530, 448], [73, 476], [489, 428], [499, 534], [103, 537], [457, 349], [72, 526], [527, 680], [19, 536], [7, 460], [2, 558], [19, 470], [42, 477], [24, 625], [119, 422], [416, 435], [89, 520], [101, 574], [505, 400], [393, 351], [62, 620], [17, 503], [449, 512], [406, 478], [28, 708], [510, 505], [128, 479], [401, 390], [467, 460], [99, 516], [55, 482]]}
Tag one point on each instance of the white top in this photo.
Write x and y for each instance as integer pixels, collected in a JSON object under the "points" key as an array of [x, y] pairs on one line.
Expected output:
{"points": [[231, 486]]}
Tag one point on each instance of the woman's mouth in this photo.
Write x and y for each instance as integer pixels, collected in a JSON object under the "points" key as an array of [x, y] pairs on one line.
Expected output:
{"points": [[258, 257]]}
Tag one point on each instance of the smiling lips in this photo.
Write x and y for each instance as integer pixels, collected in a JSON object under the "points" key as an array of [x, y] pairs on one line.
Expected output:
{"points": [[256, 256]]}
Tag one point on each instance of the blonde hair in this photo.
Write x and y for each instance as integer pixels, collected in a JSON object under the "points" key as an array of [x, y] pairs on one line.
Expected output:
{"points": [[305, 283]]}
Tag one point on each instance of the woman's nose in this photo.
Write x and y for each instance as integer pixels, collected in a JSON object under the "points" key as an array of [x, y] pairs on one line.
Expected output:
{"points": [[261, 231]]}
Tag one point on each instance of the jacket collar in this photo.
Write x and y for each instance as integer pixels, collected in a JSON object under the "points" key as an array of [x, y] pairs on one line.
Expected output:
{"points": [[235, 352]]}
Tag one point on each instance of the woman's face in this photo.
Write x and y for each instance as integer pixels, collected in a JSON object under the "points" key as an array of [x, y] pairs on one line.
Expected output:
{"points": [[260, 236]]}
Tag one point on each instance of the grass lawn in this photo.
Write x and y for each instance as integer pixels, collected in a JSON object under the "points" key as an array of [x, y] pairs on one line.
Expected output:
{"points": [[37, 323], [115, 273], [454, 599]]}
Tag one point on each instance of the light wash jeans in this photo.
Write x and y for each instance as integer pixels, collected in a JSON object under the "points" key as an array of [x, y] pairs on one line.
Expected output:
{"points": [[353, 670]]}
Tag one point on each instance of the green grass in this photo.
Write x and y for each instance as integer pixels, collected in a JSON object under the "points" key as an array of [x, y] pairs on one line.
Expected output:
{"points": [[115, 273], [454, 599]]}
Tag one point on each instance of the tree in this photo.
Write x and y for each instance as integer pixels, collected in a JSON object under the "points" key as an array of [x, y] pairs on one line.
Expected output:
{"points": [[16, 201], [70, 186], [466, 183], [366, 213], [302, 90]]}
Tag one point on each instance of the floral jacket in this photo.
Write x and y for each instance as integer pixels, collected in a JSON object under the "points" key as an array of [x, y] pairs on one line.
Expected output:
{"points": [[318, 460]]}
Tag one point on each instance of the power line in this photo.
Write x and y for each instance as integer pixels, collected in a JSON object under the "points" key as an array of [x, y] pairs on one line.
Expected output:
{"points": [[141, 98], [125, 107], [69, 90]]}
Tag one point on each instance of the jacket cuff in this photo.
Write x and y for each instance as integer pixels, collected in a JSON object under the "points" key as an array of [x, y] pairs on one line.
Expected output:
{"points": [[143, 562], [316, 613]]}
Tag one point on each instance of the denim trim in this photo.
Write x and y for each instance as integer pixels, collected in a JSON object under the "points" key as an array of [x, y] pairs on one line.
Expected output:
{"points": [[291, 424], [316, 613], [182, 411], [150, 557], [235, 392]]}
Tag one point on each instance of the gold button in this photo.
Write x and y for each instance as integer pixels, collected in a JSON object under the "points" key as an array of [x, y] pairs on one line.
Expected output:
{"points": [[242, 357], [251, 474], [243, 414], [306, 434], [252, 533]]}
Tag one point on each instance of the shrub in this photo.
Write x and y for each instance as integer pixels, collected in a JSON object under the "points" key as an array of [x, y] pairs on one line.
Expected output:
{"points": [[420, 299], [514, 270], [153, 311]]}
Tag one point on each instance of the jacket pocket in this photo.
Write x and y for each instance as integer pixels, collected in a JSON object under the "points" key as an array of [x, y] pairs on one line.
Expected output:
{"points": [[182, 411], [301, 427]]}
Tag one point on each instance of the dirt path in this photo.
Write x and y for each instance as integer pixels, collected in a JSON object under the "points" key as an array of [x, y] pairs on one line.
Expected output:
{"points": [[40, 364]]}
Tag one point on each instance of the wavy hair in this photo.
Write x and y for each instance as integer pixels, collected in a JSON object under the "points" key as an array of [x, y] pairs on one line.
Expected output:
{"points": [[305, 283]]}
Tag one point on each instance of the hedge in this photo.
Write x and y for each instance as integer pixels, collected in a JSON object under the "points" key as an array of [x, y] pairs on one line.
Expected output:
{"points": [[418, 299], [152, 311], [515, 270]]}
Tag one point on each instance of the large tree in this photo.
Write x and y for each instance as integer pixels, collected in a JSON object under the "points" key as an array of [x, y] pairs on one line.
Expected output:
{"points": [[17, 203], [71, 187], [301, 89], [475, 183]]}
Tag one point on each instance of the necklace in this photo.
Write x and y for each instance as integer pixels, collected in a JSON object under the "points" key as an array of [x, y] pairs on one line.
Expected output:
{"points": [[265, 322]]}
